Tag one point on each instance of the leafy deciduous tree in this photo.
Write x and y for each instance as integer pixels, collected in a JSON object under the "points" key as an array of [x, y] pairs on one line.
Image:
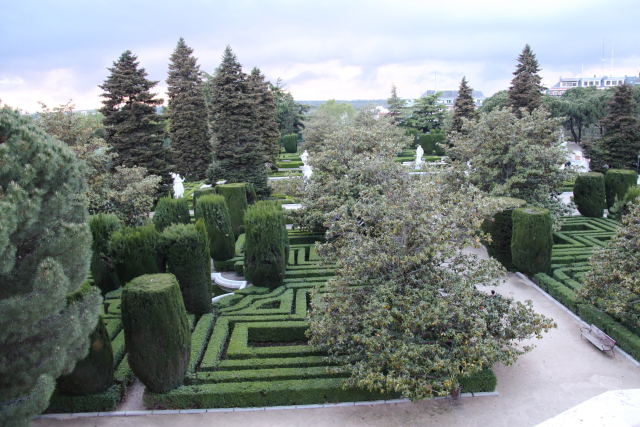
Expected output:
{"points": [[69, 127]]}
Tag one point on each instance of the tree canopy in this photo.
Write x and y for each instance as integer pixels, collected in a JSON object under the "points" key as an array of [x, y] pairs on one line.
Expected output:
{"points": [[396, 106], [188, 128], [526, 87], [290, 115], [620, 144], [426, 114], [581, 107], [464, 106]]}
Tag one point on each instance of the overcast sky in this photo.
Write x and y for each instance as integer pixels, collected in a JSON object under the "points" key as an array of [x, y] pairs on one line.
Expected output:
{"points": [[53, 51]]}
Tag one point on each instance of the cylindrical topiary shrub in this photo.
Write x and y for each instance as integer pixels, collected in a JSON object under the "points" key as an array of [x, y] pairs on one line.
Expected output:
{"points": [[201, 192], [264, 251], [136, 251], [171, 211], [187, 252], [213, 210], [102, 270], [531, 240], [290, 143], [156, 331], [500, 228], [616, 183], [589, 195], [235, 195], [94, 373]]}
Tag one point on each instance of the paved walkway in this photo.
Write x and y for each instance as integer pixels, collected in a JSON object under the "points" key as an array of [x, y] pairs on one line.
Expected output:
{"points": [[563, 371]]}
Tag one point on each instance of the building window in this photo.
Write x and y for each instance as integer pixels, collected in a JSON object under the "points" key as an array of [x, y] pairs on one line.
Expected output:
{"points": [[607, 83]]}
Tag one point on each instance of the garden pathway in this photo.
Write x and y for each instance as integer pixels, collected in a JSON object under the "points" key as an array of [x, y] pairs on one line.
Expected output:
{"points": [[560, 373]]}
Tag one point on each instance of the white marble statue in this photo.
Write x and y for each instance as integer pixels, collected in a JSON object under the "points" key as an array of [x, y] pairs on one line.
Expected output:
{"points": [[304, 157], [419, 153], [306, 171], [178, 188]]}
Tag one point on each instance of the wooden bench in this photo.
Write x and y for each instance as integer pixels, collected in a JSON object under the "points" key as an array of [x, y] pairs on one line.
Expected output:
{"points": [[598, 338]]}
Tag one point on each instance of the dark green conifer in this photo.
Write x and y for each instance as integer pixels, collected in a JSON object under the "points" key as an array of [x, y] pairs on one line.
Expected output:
{"points": [[620, 144], [133, 129], [45, 250], [396, 106], [188, 128], [265, 123], [464, 106], [526, 87], [238, 148]]}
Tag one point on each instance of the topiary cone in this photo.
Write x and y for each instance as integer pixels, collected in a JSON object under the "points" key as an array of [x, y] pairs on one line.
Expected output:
{"points": [[156, 331], [531, 240]]}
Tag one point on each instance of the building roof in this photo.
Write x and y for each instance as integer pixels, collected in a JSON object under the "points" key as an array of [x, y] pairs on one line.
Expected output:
{"points": [[452, 94]]}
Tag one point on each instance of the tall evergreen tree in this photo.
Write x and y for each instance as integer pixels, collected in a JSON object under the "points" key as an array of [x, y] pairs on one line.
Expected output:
{"points": [[133, 128], [396, 106], [188, 127], [45, 249], [265, 123], [526, 87], [237, 146], [620, 144], [463, 107], [290, 115]]}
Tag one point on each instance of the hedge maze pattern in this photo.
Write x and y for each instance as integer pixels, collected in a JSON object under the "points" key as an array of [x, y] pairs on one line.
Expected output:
{"points": [[573, 246]]}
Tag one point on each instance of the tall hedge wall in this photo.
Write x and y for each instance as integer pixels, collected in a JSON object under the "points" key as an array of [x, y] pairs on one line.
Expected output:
{"points": [[215, 213], [187, 253], [103, 273], [616, 183], [264, 253], [171, 211], [156, 331], [136, 251], [290, 143], [235, 195], [500, 228], [199, 193], [532, 240], [589, 194]]}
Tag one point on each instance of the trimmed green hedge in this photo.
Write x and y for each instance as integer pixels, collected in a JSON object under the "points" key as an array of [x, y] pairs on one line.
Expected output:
{"points": [[200, 340], [104, 275], [500, 228], [616, 182], [187, 254], [135, 252], [483, 381], [215, 213], [171, 211], [265, 251], [157, 333], [100, 402], [202, 192], [290, 143], [624, 338], [235, 195], [532, 240], [589, 194]]}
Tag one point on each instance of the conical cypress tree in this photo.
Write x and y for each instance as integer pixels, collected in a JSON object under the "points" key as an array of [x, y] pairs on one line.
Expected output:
{"points": [[464, 106], [133, 128], [526, 87], [45, 250], [238, 149], [621, 141], [265, 123], [188, 128]]}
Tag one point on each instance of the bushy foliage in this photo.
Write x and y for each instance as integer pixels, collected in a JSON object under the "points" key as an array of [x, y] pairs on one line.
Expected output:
{"points": [[290, 143], [500, 228], [613, 281], [293, 185], [403, 313], [617, 182], [265, 260], [102, 269], [213, 209], [515, 157], [187, 253], [347, 163], [589, 195], [136, 251], [44, 256], [156, 331], [201, 192], [531, 240], [171, 211], [623, 206], [69, 127]]}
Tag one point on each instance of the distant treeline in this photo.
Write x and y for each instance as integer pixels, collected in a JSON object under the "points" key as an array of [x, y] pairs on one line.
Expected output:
{"points": [[357, 103]]}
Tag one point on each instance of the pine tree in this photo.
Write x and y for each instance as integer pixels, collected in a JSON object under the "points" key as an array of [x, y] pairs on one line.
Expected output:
{"points": [[45, 249], [463, 107], [238, 148], [265, 123], [526, 88], [396, 106], [188, 127], [133, 128], [620, 144]]}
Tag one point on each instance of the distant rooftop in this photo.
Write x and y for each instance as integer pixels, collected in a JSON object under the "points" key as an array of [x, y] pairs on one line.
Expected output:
{"points": [[452, 94]]}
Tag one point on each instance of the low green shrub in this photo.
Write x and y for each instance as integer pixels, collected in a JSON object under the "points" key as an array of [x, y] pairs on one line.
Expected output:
{"points": [[157, 334], [200, 340], [104, 275], [99, 402], [616, 182], [622, 207], [187, 254], [624, 338], [171, 211], [136, 251], [214, 211], [532, 240], [556, 289], [589, 194], [483, 381]]}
